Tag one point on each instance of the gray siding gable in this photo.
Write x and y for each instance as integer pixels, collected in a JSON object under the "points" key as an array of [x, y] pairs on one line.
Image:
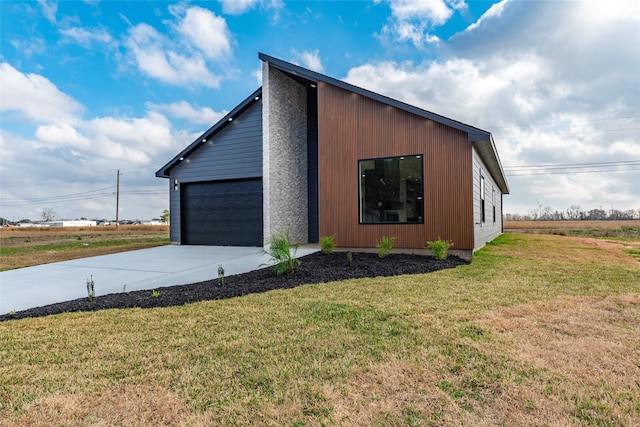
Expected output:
{"points": [[234, 152], [255, 97]]}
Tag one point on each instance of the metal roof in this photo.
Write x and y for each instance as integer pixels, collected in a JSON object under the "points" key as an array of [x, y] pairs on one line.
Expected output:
{"points": [[482, 140]]}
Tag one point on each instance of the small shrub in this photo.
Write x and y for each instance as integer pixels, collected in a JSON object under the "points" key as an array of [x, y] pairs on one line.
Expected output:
{"points": [[327, 244], [220, 275], [283, 258], [91, 291], [439, 248], [349, 259], [155, 293], [384, 246]]}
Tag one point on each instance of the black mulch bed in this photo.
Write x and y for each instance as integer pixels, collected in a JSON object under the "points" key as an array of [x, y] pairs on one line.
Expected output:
{"points": [[314, 268]]}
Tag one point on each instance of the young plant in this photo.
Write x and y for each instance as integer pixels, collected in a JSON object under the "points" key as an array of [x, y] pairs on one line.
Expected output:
{"points": [[91, 291], [439, 248], [384, 246], [327, 244], [349, 259], [283, 259], [220, 275], [155, 293]]}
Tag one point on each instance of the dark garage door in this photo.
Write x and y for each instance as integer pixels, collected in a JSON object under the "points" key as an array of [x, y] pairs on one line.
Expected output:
{"points": [[222, 213]]}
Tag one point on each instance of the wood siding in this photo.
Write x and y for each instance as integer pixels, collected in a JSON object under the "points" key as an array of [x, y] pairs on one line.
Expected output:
{"points": [[352, 127], [234, 153]]}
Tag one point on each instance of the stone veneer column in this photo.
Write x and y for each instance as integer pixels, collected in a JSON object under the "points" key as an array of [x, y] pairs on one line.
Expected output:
{"points": [[284, 149]]}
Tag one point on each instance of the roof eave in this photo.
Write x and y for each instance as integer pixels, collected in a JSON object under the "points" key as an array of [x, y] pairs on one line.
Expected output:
{"points": [[486, 149], [317, 77]]}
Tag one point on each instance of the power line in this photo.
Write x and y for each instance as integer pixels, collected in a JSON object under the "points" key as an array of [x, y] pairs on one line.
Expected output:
{"points": [[573, 165], [573, 168], [55, 201], [570, 172]]}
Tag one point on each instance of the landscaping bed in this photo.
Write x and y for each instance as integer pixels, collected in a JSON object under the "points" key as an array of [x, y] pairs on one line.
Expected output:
{"points": [[314, 268]]}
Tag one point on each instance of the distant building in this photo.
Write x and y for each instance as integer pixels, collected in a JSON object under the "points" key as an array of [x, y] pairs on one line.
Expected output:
{"points": [[75, 223]]}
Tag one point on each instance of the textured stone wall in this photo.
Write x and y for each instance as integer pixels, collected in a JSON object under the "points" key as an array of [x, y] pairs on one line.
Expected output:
{"points": [[284, 151]]}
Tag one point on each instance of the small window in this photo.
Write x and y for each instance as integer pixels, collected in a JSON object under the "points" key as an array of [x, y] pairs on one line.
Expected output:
{"points": [[493, 202], [482, 204], [391, 190]]}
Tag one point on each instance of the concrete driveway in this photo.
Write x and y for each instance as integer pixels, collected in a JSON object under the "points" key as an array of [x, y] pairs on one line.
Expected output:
{"points": [[135, 270]]}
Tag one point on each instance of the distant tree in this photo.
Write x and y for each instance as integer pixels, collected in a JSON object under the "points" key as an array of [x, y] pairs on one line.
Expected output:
{"points": [[165, 216], [574, 212], [596, 214], [49, 214]]}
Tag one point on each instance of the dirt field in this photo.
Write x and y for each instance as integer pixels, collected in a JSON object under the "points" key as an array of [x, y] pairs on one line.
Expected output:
{"points": [[28, 246], [569, 225]]}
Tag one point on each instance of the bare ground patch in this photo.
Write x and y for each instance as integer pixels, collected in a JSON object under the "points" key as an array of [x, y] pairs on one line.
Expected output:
{"points": [[586, 351], [614, 248], [125, 405]]}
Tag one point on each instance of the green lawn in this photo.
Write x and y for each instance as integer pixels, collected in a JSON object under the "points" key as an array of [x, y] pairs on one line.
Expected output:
{"points": [[537, 330]]}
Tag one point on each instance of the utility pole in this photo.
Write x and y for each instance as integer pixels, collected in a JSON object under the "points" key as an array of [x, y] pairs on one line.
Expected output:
{"points": [[117, 196]]}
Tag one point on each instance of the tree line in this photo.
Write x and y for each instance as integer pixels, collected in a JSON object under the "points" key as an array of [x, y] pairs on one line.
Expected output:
{"points": [[574, 213]]}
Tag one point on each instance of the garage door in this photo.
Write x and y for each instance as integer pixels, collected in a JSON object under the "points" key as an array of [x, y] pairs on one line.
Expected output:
{"points": [[222, 213]]}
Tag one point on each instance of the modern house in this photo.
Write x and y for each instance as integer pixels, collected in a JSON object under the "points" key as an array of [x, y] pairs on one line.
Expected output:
{"points": [[315, 156]]}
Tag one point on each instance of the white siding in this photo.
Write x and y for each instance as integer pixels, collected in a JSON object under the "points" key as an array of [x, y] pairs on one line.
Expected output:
{"points": [[488, 230]]}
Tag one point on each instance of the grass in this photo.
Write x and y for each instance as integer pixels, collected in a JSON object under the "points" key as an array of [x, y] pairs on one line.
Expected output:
{"points": [[32, 246], [537, 330]]}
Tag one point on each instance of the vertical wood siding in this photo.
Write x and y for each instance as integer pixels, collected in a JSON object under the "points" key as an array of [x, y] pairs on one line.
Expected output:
{"points": [[351, 128]]}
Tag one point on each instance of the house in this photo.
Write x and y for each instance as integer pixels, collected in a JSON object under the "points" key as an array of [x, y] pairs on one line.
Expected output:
{"points": [[315, 156]]}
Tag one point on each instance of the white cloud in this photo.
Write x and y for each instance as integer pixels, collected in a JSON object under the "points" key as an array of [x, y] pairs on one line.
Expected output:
{"points": [[413, 20], [494, 12], [554, 82], [49, 10], [30, 46], [308, 59], [184, 110], [157, 57], [205, 31], [34, 97], [434, 11], [69, 152], [237, 7], [86, 37]]}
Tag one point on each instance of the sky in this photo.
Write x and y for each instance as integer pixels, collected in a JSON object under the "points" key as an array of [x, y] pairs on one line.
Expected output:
{"points": [[90, 88]]}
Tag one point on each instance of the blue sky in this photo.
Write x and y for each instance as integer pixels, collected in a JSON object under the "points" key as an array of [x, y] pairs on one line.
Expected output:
{"points": [[92, 87]]}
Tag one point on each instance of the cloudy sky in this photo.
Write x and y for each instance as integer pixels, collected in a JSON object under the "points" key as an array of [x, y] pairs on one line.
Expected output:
{"points": [[90, 88]]}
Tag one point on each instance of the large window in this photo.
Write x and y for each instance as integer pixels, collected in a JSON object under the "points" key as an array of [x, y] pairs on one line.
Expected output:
{"points": [[391, 190]]}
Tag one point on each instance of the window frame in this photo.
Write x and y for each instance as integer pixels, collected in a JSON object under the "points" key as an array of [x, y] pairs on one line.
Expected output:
{"points": [[483, 216], [493, 202], [420, 197]]}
